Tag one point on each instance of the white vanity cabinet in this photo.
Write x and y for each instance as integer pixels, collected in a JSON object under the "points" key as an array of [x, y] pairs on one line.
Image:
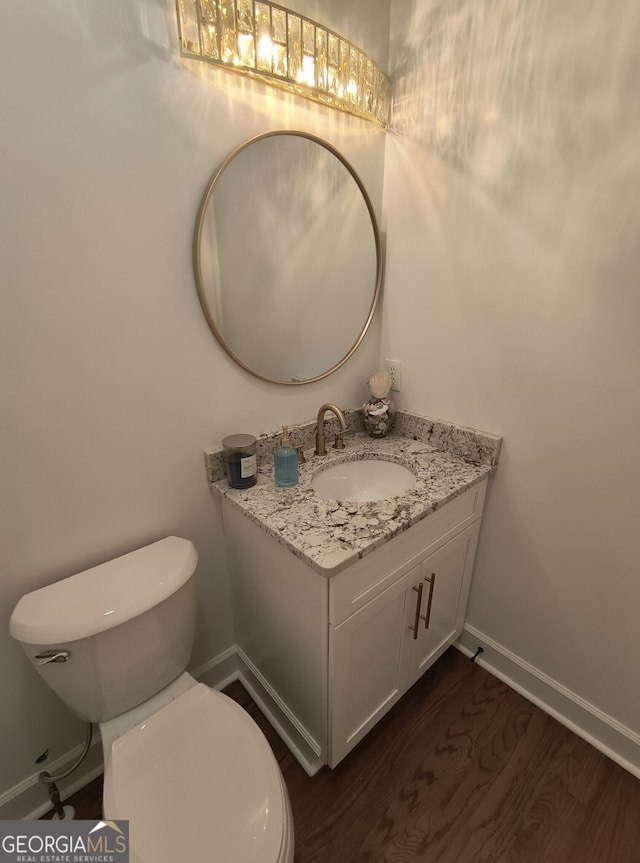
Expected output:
{"points": [[326, 656], [378, 652]]}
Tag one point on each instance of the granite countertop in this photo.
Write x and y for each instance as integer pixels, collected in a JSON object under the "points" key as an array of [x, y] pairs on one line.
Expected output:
{"points": [[329, 535]]}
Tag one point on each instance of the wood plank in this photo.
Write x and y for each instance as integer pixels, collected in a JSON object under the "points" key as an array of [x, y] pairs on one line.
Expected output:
{"points": [[462, 770]]}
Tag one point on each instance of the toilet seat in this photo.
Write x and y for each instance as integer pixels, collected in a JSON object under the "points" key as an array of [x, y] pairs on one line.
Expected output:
{"points": [[198, 781]]}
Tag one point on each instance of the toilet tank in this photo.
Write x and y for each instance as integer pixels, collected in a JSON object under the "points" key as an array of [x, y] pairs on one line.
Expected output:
{"points": [[122, 631]]}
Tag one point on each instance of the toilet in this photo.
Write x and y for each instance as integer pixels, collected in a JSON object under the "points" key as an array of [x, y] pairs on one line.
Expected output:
{"points": [[184, 764]]}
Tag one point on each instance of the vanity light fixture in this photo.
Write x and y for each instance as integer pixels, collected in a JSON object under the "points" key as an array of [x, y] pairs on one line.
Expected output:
{"points": [[283, 48]]}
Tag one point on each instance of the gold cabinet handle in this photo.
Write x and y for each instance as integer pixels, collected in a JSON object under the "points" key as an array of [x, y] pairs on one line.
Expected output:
{"points": [[416, 623], [432, 583]]}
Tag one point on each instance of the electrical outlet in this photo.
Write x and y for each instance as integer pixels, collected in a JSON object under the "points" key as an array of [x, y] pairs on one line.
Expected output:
{"points": [[394, 367]]}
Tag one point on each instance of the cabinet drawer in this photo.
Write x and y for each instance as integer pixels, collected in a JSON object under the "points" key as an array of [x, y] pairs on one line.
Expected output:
{"points": [[354, 587]]}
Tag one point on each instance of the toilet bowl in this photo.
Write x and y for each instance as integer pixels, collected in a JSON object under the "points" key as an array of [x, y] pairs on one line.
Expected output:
{"points": [[212, 793], [184, 764]]}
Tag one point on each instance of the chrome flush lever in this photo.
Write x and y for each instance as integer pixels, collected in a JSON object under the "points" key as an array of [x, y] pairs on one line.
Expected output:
{"points": [[52, 656]]}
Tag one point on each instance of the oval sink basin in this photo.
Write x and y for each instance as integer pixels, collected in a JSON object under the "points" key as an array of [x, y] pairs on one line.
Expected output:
{"points": [[363, 480]]}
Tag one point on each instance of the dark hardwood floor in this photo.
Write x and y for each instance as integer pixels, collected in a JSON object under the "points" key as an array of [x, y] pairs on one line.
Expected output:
{"points": [[462, 770]]}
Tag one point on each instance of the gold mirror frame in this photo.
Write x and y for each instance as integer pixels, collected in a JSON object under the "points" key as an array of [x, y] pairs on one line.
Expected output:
{"points": [[198, 260]]}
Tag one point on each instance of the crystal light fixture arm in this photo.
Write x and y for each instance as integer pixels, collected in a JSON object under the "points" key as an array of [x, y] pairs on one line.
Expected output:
{"points": [[268, 41]]}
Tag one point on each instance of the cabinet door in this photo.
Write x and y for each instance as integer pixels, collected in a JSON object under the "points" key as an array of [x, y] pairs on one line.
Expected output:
{"points": [[368, 655], [446, 578], [378, 652]]}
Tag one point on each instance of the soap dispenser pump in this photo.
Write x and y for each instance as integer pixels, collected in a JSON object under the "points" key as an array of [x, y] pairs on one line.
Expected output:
{"points": [[285, 459]]}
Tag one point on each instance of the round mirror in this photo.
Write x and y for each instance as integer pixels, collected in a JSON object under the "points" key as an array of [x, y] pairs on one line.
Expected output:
{"points": [[287, 257]]}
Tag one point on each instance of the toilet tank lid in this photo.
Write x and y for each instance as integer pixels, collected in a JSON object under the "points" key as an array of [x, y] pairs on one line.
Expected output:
{"points": [[104, 596]]}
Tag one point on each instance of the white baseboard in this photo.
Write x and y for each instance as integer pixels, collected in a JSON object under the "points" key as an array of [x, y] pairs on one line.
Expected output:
{"points": [[220, 671], [606, 734], [299, 742], [232, 665], [29, 799]]}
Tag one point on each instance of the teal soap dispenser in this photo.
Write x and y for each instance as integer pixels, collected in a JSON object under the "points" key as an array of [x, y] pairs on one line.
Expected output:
{"points": [[285, 460]]}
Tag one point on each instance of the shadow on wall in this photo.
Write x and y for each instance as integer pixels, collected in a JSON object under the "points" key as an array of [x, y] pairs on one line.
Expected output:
{"points": [[116, 25], [529, 101]]}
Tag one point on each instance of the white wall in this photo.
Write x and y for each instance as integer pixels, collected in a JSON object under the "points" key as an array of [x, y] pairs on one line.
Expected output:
{"points": [[112, 384], [512, 179], [512, 183]]}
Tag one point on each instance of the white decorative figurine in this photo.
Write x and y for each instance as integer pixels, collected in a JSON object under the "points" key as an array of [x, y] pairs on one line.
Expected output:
{"points": [[378, 412]]}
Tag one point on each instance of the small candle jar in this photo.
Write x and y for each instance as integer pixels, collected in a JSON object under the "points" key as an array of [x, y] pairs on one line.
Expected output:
{"points": [[240, 460]]}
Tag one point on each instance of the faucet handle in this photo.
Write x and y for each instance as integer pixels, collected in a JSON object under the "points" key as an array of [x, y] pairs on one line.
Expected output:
{"points": [[339, 443], [300, 451]]}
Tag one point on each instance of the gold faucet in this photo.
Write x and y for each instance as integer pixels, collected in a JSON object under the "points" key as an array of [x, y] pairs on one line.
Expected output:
{"points": [[320, 442]]}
